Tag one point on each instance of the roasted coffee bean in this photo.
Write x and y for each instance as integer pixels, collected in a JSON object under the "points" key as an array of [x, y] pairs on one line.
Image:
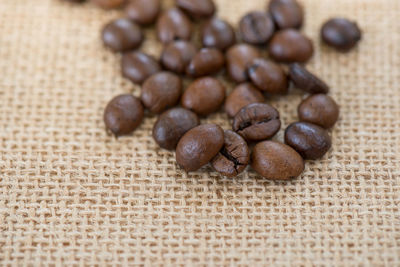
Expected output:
{"points": [[206, 61], [122, 35], [305, 80], [109, 4], [289, 46], [309, 140], [276, 161], [173, 25], [204, 96], [268, 76], [286, 13], [198, 146], [256, 122], [197, 8], [341, 33], [218, 33], [256, 27], [172, 125], [137, 66], [237, 59], [161, 91], [243, 95], [177, 56], [143, 12], [319, 109], [123, 114]]}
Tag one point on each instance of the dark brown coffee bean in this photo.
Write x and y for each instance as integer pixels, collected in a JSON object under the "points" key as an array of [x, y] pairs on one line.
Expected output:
{"points": [[341, 34], [109, 4], [206, 61], [233, 157], [123, 114], [122, 35], [204, 96], [309, 140], [256, 27], [173, 25], [198, 146], [243, 95], [161, 91], [286, 13], [218, 33], [177, 56], [319, 109], [268, 76], [276, 161], [197, 8], [137, 66], [256, 122], [172, 125], [237, 58], [143, 12], [305, 80], [289, 46]]}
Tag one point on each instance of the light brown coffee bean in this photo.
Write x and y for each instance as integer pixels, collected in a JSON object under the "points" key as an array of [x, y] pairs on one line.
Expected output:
{"points": [[237, 59], [122, 35], [138, 66], [143, 12], [268, 76], [207, 61], [319, 109], [243, 95], [173, 25]]}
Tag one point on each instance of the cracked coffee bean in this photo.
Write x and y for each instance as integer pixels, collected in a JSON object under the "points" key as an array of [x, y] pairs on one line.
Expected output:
{"points": [[197, 8], [138, 66], [268, 76], [237, 59], [243, 95], [122, 35], [173, 25], [218, 34], [177, 56], [341, 34], [286, 13], [305, 80], [256, 27], [319, 109], [143, 12], [207, 61]]}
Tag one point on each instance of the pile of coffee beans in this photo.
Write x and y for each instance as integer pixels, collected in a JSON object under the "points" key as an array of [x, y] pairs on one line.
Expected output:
{"points": [[238, 52]]}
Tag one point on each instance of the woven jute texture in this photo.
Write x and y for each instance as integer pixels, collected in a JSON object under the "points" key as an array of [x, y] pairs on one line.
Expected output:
{"points": [[72, 195]]}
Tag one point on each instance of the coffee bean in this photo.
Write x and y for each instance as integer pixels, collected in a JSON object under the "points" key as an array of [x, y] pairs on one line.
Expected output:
{"points": [[276, 161], [137, 66], [172, 125], [256, 122], [268, 76], [204, 96], [109, 4], [197, 8], [243, 95], [218, 33], [75, 1], [290, 46], [341, 34], [177, 56], [319, 109], [173, 25], [233, 157], [237, 59], [256, 27], [123, 114], [161, 91], [198, 146], [286, 13], [206, 61], [122, 35], [305, 80], [143, 12]]}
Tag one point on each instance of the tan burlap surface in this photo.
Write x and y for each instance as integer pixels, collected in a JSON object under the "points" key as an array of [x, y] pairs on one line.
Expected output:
{"points": [[71, 195]]}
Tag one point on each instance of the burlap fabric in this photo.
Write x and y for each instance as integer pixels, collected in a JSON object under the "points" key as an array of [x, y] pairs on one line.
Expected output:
{"points": [[71, 195]]}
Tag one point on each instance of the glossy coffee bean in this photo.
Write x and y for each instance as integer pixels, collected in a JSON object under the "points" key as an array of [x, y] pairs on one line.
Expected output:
{"points": [[305, 80], [197, 8], [218, 34], [319, 109], [243, 95], [109, 4], [123, 114], [177, 56], [256, 122], [161, 91], [268, 76], [289, 46], [137, 66], [172, 125], [122, 35], [309, 140], [237, 59], [204, 96], [286, 13], [143, 12], [198, 146], [206, 61], [276, 161], [341, 33], [173, 25], [256, 27], [233, 157]]}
